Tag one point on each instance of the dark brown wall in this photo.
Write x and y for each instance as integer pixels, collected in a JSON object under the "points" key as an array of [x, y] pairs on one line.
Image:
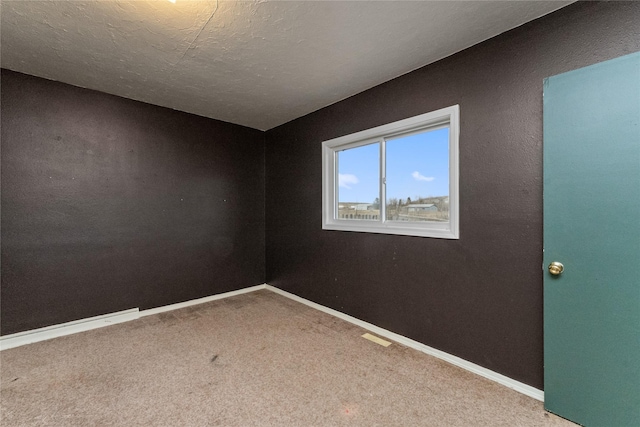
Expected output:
{"points": [[109, 204], [479, 297]]}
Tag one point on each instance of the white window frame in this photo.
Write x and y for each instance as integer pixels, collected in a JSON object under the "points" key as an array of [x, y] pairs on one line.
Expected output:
{"points": [[450, 117]]}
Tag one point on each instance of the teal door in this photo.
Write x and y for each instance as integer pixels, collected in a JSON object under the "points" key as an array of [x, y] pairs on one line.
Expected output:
{"points": [[592, 228]]}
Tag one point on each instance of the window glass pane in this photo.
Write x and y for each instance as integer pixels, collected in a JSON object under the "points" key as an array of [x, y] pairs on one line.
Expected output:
{"points": [[417, 172], [359, 183]]}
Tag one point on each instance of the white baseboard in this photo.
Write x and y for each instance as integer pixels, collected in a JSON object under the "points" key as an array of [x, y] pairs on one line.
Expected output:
{"points": [[28, 337], [62, 329], [454, 360], [179, 305]]}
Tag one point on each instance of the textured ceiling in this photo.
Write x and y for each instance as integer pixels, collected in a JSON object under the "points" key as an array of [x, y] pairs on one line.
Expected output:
{"points": [[254, 63]]}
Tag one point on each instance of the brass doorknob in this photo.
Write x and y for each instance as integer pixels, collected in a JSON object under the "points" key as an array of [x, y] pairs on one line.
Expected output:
{"points": [[556, 268]]}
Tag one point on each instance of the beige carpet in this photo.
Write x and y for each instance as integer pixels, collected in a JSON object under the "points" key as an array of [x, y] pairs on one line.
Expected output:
{"points": [[258, 359]]}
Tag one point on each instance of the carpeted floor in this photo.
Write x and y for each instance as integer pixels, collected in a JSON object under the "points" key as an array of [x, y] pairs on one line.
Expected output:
{"points": [[258, 359]]}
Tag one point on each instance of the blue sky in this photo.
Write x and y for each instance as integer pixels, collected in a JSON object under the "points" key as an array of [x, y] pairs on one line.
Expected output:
{"points": [[417, 165]]}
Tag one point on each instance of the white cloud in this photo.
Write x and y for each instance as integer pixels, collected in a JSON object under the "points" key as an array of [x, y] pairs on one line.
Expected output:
{"points": [[419, 177], [347, 179]]}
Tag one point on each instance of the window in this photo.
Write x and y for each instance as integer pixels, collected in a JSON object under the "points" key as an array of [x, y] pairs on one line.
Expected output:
{"points": [[399, 178]]}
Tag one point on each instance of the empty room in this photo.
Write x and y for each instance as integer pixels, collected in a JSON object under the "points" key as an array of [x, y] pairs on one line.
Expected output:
{"points": [[320, 213]]}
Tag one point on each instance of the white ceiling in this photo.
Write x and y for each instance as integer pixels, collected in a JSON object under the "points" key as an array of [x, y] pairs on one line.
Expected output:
{"points": [[254, 63]]}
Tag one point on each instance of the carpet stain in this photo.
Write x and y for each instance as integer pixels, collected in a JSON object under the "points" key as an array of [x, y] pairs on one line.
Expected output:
{"points": [[273, 374]]}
